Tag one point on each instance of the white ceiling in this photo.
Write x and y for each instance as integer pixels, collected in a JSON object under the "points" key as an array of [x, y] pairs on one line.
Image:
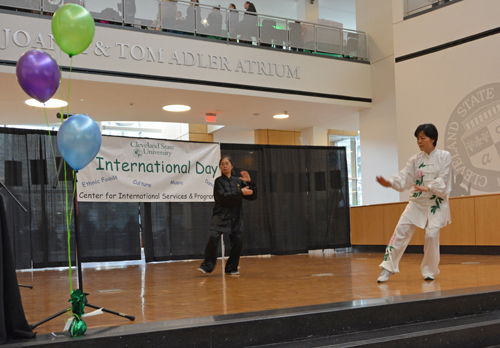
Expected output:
{"points": [[112, 101]]}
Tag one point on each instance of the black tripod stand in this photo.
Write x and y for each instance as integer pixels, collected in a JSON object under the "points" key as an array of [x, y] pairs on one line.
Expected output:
{"points": [[24, 209], [79, 267]]}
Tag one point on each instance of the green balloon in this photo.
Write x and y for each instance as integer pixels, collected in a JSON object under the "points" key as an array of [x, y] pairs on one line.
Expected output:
{"points": [[73, 29]]}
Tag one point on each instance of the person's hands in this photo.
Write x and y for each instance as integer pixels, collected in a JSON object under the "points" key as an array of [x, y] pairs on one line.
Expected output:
{"points": [[383, 182], [245, 176], [421, 188], [246, 191]]}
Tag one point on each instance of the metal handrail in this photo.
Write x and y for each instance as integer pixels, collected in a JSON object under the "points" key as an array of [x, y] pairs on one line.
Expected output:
{"points": [[44, 6]]}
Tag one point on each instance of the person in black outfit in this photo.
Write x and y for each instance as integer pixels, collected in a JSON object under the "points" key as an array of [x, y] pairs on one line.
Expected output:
{"points": [[227, 215]]}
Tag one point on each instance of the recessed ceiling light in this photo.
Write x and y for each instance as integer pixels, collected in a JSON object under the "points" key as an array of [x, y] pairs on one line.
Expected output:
{"points": [[176, 108], [283, 115], [51, 103]]}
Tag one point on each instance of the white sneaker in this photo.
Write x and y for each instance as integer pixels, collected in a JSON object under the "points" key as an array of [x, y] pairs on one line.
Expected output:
{"points": [[384, 276], [429, 278]]}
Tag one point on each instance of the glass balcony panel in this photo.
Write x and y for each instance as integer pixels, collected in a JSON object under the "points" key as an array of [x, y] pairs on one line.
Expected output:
{"points": [[213, 21], [233, 22], [329, 40], [309, 36], [207, 20], [362, 46], [168, 15], [22, 4], [414, 6], [273, 31], [248, 30], [298, 33], [185, 17], [140, 13], [105, 10], [52, 6]]}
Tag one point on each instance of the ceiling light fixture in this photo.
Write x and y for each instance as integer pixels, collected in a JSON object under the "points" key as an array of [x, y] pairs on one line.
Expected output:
{"points": [[51, 103], [176, 108], [283, 115]]}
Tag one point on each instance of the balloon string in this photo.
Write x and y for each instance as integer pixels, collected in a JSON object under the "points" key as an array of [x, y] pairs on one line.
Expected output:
{"points": [[60, 83], [50, 138], [68, 230], [69, 82]]}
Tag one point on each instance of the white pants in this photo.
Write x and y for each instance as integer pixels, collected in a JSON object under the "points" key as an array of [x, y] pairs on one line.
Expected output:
{"points": [[398, 243]]}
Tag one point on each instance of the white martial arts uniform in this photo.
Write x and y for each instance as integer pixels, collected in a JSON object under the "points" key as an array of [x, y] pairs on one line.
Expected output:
{"points": [[426, 210]]}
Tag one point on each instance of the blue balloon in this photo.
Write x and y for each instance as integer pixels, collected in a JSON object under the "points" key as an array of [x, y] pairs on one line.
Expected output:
{"points": [[79, 140]]}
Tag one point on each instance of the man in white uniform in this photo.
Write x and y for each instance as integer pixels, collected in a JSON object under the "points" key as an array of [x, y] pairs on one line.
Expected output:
{"points": [[428, 174]]}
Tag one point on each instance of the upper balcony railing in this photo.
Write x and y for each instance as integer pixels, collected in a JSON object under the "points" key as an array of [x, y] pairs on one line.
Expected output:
{"points": [[413, 7], [183, 17]]}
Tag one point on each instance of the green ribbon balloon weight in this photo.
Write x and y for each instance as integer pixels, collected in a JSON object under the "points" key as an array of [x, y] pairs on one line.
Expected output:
{"points": [[78, 326], [73, 29]]}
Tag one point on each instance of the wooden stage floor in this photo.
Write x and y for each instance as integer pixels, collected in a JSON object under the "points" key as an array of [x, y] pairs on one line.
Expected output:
{"points": [[176, 290]]}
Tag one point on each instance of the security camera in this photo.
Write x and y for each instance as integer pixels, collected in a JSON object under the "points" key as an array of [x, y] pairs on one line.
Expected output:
{"points": [[312, 2]]}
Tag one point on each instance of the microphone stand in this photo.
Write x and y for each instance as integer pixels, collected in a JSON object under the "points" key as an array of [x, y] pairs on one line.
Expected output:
{"points": [[24, 209]]}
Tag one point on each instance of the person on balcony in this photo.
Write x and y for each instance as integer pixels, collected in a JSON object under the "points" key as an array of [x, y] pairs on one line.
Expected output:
{"points": [[234, 21], [193, 17], [428, 175], [248, 25], [214, 22], [167, 16]]}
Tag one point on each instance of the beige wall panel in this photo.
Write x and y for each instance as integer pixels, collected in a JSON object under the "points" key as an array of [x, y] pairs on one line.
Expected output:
{"points": [[487, 215], [208, 138], [367, 225], [462, 230], [261, 137]]}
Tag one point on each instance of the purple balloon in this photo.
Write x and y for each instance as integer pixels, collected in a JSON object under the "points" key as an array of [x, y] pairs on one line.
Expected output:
{"points": [[38, 74]]}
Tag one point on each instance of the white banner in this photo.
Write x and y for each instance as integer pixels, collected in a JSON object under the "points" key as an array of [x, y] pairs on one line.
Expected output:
{"points": [[150, 170]]}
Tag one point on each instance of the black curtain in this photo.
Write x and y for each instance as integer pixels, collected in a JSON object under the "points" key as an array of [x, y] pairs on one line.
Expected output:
{"points": [[302, 205], [28, 167]]}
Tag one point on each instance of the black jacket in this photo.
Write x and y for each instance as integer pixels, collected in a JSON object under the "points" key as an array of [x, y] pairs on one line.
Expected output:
{"points": [[227, 214]]}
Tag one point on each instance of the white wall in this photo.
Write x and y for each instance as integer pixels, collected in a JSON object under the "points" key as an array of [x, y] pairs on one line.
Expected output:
{"points": [[452, 87], [314, 136], [378, 125], [449, 23], [234, 135]]}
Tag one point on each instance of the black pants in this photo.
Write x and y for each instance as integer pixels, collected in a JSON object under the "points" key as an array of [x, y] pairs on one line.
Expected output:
{"points": [[211, 251]]}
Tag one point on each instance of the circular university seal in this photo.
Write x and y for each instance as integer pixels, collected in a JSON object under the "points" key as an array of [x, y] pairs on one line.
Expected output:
{"points": [[137, 153], [473, 138]]}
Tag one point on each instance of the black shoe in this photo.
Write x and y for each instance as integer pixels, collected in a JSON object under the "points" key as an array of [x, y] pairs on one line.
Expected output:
{"points": [[234, 273], [204, 269]]}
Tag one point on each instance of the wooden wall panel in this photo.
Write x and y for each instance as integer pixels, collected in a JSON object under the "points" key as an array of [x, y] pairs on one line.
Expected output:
{"points": [[278, 137], [392, 213], [462, 230], [297, 137], [475, 221], [208, 138], [261, 136], [198, 128], [367, 225], [487, 215]]}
